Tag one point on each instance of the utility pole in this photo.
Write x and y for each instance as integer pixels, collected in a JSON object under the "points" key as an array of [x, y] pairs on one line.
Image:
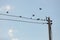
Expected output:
{"points": [[49, 27]]}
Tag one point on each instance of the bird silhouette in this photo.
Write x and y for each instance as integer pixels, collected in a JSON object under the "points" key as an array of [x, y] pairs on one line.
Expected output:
{"points": [[33, 15], [40, 8], [7, 12]]}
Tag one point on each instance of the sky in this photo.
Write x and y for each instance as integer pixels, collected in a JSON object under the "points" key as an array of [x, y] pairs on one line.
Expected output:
{"points": [[12, 30]]}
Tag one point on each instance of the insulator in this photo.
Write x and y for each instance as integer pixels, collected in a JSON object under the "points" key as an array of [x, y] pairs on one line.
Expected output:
{"points": [[50, 20]]}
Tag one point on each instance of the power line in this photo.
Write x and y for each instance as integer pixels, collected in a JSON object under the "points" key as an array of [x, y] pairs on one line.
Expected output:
{"points": [[23, 21], [23, 17]]}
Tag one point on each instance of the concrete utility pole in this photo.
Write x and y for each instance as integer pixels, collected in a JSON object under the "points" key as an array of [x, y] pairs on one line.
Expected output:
{"points": [[49, 27]]}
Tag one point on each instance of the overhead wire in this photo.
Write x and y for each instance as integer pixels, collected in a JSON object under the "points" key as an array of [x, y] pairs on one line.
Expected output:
{"points": [[23, 17], [23, 21]]}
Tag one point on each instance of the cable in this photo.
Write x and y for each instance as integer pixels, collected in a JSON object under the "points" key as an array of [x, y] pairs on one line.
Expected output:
{"points": [[9, 15], [22, 21], [23, 17]]}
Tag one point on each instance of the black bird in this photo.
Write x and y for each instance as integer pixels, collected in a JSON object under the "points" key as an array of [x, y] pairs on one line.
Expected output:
{"points": [[38, 18], [40, 8], [7, 12], [33, 15]]}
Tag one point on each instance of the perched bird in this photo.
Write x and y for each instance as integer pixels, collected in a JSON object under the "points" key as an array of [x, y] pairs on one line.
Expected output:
{"points": [[20, 16], [33, 15], [7, 12], [38, 18]]}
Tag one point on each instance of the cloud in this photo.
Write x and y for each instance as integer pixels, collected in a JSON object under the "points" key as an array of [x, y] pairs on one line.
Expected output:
{"points": [[10, 33], [6, 8]]}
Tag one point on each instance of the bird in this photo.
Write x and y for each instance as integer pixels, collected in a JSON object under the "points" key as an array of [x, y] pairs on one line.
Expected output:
{"points": [[40, 8], [38, 18], [7, 12], [33, 15], [20, 16]]}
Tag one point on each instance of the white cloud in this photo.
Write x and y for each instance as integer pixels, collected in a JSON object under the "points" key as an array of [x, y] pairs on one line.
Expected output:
{"points": [[10, 30], [10, 33], [6, 8]]}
